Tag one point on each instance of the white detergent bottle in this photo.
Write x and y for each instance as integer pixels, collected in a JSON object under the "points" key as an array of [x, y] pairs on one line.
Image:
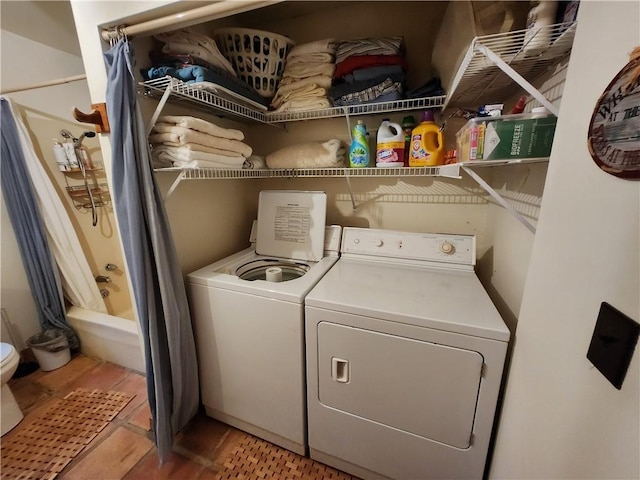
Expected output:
{"points": [[390, 145]]}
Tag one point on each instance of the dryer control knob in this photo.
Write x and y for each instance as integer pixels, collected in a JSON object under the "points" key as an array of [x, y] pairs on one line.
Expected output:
{"points": [[378, 242], [446, 248]]}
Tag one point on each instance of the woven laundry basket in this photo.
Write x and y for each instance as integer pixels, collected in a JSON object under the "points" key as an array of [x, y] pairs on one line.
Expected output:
{"points": [[257, 56]]}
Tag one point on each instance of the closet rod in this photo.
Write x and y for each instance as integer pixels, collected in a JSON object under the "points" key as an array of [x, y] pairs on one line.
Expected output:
{"points": [[50, 83], [187, 18]]}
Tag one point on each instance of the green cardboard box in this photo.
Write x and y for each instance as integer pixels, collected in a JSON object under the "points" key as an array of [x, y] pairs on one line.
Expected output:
{"points": [[509, 137]]}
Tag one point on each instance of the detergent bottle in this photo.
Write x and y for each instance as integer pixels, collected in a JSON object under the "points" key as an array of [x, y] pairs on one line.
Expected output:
{"points": [[390, 145], [427, 143], [408, 124], [359, 150]]}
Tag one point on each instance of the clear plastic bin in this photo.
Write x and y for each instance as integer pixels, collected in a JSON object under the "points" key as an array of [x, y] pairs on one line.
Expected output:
{"points": [[507, 137]]}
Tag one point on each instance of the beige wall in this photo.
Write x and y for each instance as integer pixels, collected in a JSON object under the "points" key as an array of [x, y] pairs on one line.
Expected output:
{"points": [[561, 417]]}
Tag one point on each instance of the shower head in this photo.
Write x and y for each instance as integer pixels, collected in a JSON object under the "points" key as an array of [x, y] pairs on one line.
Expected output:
{"points": [[78, 141], [67, 134]]}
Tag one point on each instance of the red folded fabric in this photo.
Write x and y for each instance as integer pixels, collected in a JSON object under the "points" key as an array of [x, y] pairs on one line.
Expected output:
{"points": [[357, 62]]}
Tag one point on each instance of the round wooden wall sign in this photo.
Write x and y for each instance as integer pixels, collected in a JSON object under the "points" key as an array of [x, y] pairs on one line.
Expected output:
{"points": [[614, 131]]}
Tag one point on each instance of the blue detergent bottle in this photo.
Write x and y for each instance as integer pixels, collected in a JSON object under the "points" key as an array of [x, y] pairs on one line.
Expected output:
{"points": [[359, 149]]}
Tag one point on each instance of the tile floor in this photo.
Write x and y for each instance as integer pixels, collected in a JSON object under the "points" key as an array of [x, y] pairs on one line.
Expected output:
{"points": [[124, 450]]}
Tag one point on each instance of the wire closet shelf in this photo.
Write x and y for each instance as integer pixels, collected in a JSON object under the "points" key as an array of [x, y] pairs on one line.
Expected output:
{"points": [[212, 100], [479, 77]]}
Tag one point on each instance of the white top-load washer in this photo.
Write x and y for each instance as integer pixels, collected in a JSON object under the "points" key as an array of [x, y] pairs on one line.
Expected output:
{"points": [[248, 316], [405, 353]]}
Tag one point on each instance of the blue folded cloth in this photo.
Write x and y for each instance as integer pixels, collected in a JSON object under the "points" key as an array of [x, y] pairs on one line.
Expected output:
{"points": [[198, 73]]}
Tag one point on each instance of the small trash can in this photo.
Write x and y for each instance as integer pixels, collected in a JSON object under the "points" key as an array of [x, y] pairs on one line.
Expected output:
{"points": [[50, 348]]}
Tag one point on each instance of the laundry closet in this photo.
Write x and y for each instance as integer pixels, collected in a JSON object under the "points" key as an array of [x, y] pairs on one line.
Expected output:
{"points": [[211, 216]]}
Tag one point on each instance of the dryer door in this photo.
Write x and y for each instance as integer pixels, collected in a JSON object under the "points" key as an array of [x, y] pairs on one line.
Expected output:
{"points": [[420, 387]]}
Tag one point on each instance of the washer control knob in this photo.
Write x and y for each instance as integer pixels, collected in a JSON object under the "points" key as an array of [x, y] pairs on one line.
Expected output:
{"points": [[356, 241], [446, 248], [378, 242]]}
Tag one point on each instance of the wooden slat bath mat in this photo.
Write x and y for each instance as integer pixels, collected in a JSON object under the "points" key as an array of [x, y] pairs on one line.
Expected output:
{"points": [[251, 458], [41, 448]]}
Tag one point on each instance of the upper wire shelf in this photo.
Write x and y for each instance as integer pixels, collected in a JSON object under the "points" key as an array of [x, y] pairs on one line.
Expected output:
{"points": [[191, 92], [478, 77], [221, 173], [450, 171]]}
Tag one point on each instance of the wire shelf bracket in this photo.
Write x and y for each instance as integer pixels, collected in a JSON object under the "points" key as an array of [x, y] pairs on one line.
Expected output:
{"points": [[495, 65], [498, 198]]}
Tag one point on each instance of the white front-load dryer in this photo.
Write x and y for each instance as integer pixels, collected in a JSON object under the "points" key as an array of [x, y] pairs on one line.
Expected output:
{"points": [[405, 353], [248, 316]]}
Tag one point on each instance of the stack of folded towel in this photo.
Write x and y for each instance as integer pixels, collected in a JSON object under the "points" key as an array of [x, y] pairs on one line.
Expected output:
{"points": [[331, 153], [306, 77], [195, 58], [187, 42], [369, 70], [188, 142]]}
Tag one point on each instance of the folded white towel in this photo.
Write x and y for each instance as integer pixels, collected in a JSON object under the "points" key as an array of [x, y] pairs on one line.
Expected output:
{"points": [[205, 164], [326, 45], [368, 46], [164, 162], [303, 70], [309, 155], [178, 154], [311, 58], [201, 126], [289, 84], [303, 105], [182, 136], [306, 91], [202, 148]]}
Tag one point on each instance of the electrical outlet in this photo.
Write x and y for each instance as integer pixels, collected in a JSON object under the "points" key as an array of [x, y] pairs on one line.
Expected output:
{"points": [[612, 344]]}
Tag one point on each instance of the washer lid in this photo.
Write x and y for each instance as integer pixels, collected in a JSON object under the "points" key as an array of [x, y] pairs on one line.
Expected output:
{"points": [[291, 224]]}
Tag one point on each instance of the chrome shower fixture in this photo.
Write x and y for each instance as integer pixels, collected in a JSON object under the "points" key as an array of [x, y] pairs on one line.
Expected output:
{"points": [[67, 134], [78, 141], [64, 133]]}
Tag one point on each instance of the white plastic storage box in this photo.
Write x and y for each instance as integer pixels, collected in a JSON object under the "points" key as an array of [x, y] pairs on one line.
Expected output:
{"points": [[506, 137]]}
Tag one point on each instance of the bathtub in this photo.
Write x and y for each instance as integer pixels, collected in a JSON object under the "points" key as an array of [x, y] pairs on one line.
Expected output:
{"points": [[110, 338]]}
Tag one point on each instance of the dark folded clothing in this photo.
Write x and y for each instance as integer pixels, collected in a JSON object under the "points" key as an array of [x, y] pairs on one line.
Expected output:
{"points": [[342, 89], [432, 88], [385, 91], [197, 73], [372, 72], [357, 62]]}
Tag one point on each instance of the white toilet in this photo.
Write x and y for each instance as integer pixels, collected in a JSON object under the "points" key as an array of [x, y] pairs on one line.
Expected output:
{"points": [[10, 413]]}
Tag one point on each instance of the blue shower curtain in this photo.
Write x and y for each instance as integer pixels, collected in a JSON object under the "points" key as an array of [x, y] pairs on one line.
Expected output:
{"points": [[39, 262], [158, 286]]}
